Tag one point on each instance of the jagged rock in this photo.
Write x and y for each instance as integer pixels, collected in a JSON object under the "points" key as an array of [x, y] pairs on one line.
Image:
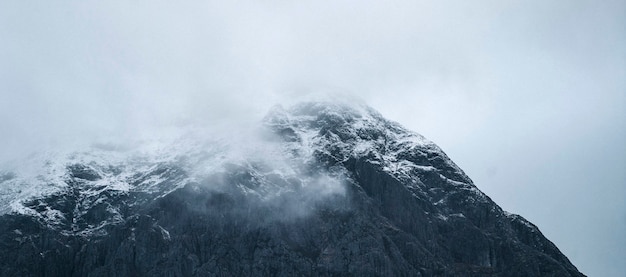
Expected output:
{"points": [[350, 194]]}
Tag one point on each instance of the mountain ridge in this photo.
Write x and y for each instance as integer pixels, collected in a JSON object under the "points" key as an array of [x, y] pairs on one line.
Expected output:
{"points": [[336, 190]]}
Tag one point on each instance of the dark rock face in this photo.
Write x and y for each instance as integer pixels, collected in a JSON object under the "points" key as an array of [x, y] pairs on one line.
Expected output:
{"points": [[404, 209]]}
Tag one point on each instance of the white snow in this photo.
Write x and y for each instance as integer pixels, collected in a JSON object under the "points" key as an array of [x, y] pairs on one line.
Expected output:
{"points": [[200, 153]]}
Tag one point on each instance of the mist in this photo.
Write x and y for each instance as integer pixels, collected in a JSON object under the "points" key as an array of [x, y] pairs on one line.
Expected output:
{"points": [[81, 71], [527, 97]]}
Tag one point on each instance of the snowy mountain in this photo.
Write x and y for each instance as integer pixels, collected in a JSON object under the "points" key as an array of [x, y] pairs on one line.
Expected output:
{"points": [[320, 189]]}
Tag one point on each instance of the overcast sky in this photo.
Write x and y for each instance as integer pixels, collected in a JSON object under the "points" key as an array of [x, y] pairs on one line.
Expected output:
{"points": [[528, 97]]}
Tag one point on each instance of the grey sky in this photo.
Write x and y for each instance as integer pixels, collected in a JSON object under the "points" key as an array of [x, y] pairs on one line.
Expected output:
{"points": [[528, 97]]}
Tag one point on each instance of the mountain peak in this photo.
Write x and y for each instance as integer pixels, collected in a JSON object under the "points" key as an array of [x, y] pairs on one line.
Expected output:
{"points": [[320, 113]]}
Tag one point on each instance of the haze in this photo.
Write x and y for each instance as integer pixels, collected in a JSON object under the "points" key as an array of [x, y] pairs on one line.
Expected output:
{"points": [[528, 97]]}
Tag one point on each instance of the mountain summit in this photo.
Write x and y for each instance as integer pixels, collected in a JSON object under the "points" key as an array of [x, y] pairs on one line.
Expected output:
{"points": [[323, 189]]}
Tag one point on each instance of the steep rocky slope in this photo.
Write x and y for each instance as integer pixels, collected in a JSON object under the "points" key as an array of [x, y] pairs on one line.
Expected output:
{"points": [[327, 190]]}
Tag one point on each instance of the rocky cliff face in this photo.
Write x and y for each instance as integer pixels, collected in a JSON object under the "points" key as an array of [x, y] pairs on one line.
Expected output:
{"points": [[333, 190]]}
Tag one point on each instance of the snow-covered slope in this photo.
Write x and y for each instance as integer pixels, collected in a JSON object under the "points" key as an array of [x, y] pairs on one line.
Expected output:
{"points": [[340, 134]]}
